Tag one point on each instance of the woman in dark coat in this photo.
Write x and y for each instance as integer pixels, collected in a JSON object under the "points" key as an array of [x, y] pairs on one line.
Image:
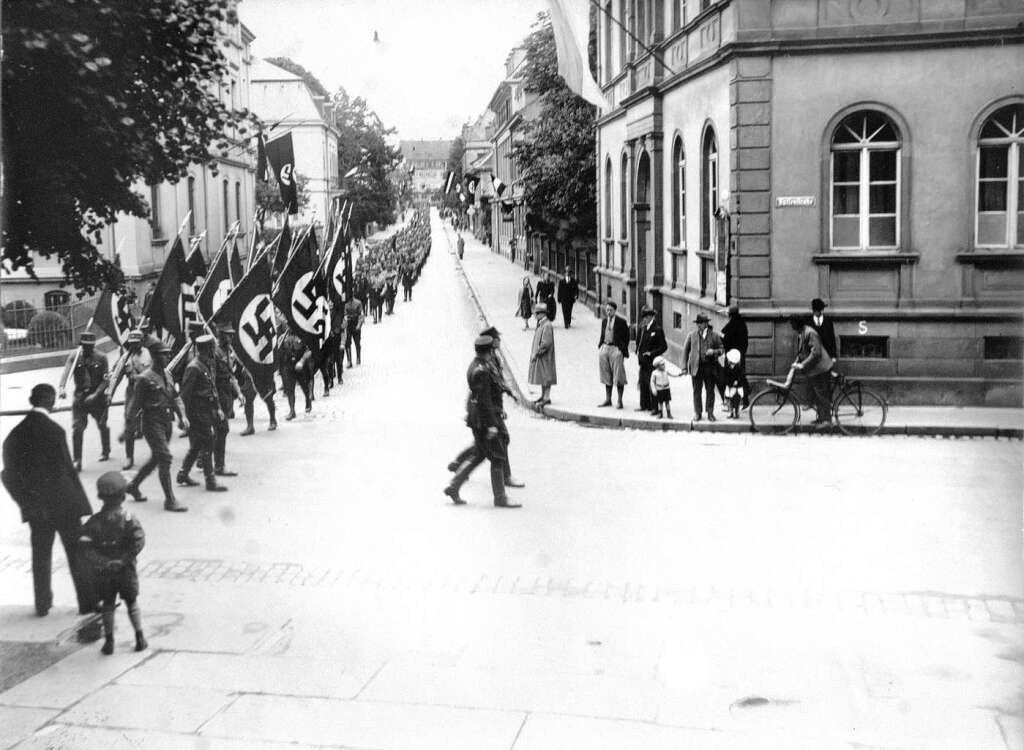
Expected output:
{"points": [[525, 308]]}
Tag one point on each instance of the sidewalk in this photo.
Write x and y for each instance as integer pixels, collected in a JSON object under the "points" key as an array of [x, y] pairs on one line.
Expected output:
{"points": [[494, 284]]}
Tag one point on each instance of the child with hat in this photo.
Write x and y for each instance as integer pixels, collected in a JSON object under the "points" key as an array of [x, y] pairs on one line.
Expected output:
{"points": [[111, 540]]}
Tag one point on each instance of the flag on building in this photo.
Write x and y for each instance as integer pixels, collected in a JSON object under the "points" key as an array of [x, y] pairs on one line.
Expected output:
{"points": [[448, 182], [173, 303], [112, 316], [217, 287], [499, 186], [471, 182], [570, 20], [250, 312], [299, 296], [281, 156]]}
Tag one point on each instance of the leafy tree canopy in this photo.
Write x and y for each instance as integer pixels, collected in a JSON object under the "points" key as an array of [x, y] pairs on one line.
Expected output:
{"points": [[98, 94], [556, 158], [363, 146]]}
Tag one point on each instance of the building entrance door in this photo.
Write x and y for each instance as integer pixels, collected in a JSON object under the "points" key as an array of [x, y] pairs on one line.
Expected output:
{"points": [[641, 236]]}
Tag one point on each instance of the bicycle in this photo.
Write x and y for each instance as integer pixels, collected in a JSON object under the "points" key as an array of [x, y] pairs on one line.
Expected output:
{"points": [[854, 409]]}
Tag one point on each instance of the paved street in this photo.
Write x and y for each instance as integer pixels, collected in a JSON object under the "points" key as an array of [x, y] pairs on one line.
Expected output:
{"points": [[656, 590]]}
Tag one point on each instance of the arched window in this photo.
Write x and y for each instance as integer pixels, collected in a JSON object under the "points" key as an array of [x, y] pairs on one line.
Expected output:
{"points": [[227, 217], [608, 198], [709, 189], [865, 176], [238, 203], [1000, 193], [192, 205], [678, 194], [624, 198]]}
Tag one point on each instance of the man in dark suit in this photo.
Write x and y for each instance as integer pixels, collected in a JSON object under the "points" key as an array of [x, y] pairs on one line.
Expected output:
{"points": [[568, 291], [650, 343], [39, 475], [612, 352], [701, 351], [823, 325]]}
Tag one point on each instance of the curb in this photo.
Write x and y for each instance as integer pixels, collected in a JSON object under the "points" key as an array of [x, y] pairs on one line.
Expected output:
{"points": [[735, 427]]}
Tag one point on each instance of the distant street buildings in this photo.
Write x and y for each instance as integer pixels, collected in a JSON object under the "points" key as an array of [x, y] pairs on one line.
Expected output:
{"points": [[428, 160]]}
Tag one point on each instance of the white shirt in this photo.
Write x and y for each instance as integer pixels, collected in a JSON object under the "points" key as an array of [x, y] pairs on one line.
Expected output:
{"points": [[818, 319]]}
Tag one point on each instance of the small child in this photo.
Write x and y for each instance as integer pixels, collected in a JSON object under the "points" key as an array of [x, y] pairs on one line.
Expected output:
{"points": [[661, 392], [733, 390], [111, 540]]}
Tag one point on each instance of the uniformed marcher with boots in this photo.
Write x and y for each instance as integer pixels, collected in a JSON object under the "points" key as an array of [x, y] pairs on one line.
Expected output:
{"points": [[152, 409], [202, 406], [483, 417], [294, 364], [133, 362], [249, 395], [90, 379], [227, 392], [111, 541], [501, 389]]}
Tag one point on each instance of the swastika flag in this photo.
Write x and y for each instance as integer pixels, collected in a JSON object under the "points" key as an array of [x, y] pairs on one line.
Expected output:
{"points": [[250, 312], [113, 317]]}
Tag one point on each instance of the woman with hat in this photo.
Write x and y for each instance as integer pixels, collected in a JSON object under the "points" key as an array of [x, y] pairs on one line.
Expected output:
{"points": [[542, 355]]}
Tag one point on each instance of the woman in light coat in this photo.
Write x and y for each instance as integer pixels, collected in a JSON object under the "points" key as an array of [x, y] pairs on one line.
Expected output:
{"points": [[542, 355]]}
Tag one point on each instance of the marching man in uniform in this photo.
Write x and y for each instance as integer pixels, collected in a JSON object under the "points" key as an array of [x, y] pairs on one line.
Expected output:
{"points": [[90, 399], [202, 406], [152, 409], [132, 364], [227, 392]]}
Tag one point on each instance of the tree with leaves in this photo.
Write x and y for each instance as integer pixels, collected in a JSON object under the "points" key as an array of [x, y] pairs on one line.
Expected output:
{"points": [[455, 154], [363, 146], [98, 94], [556, 158]]}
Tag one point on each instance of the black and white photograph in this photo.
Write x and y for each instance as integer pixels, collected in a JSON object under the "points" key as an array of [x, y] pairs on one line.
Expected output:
{"points": [[512, 375]]}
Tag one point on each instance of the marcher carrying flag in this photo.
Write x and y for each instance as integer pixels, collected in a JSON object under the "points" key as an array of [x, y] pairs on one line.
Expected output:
{"points": [[299, 296], [250, 312]]}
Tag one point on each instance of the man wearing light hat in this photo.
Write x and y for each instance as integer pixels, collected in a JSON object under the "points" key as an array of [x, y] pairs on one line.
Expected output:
{"points": [[90, 399], [202, 406], [152, 409]]}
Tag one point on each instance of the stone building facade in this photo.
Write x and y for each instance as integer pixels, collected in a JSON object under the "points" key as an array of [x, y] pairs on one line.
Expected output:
{"points": [[868, 152]]}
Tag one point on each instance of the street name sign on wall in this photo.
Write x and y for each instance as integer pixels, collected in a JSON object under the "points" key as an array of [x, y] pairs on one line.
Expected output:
{"points": [[794, 201]]}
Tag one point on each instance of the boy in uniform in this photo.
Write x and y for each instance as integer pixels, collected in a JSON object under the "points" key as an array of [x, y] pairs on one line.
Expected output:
{"points": [[111, 541]]}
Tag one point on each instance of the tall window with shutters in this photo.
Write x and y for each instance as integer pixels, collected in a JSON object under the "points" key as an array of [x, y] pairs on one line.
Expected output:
{"points": [[865, 183], [999, 200]]}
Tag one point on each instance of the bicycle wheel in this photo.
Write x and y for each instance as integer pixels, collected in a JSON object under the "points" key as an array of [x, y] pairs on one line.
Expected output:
{"points": [[773, 412], [860, 412]]}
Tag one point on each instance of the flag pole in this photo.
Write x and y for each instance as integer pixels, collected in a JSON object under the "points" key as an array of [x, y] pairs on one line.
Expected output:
{"points": [[184, 222]]}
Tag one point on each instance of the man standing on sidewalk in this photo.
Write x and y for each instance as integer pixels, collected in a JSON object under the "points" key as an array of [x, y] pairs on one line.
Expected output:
{"points": [[612, 352], [568, 291], [701, 351], [41, 479], [483, 417], [650, 343]]}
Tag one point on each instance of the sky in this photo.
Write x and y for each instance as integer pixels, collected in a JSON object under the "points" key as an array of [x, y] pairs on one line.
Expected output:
{"points": [[435, 67]]}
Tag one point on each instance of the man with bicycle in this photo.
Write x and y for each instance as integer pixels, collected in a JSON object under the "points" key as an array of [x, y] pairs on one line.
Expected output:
{"points": [[816, 366]]}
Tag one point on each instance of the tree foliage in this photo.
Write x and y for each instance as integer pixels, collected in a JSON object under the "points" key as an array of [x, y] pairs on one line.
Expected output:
{"points": [[363, 145], [455, 154], [556, 157], [98, 94]]}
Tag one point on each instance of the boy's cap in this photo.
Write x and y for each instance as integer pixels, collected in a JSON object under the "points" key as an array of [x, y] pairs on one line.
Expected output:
{"points": [[733, 356], [658, 361], [110, 485]]}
